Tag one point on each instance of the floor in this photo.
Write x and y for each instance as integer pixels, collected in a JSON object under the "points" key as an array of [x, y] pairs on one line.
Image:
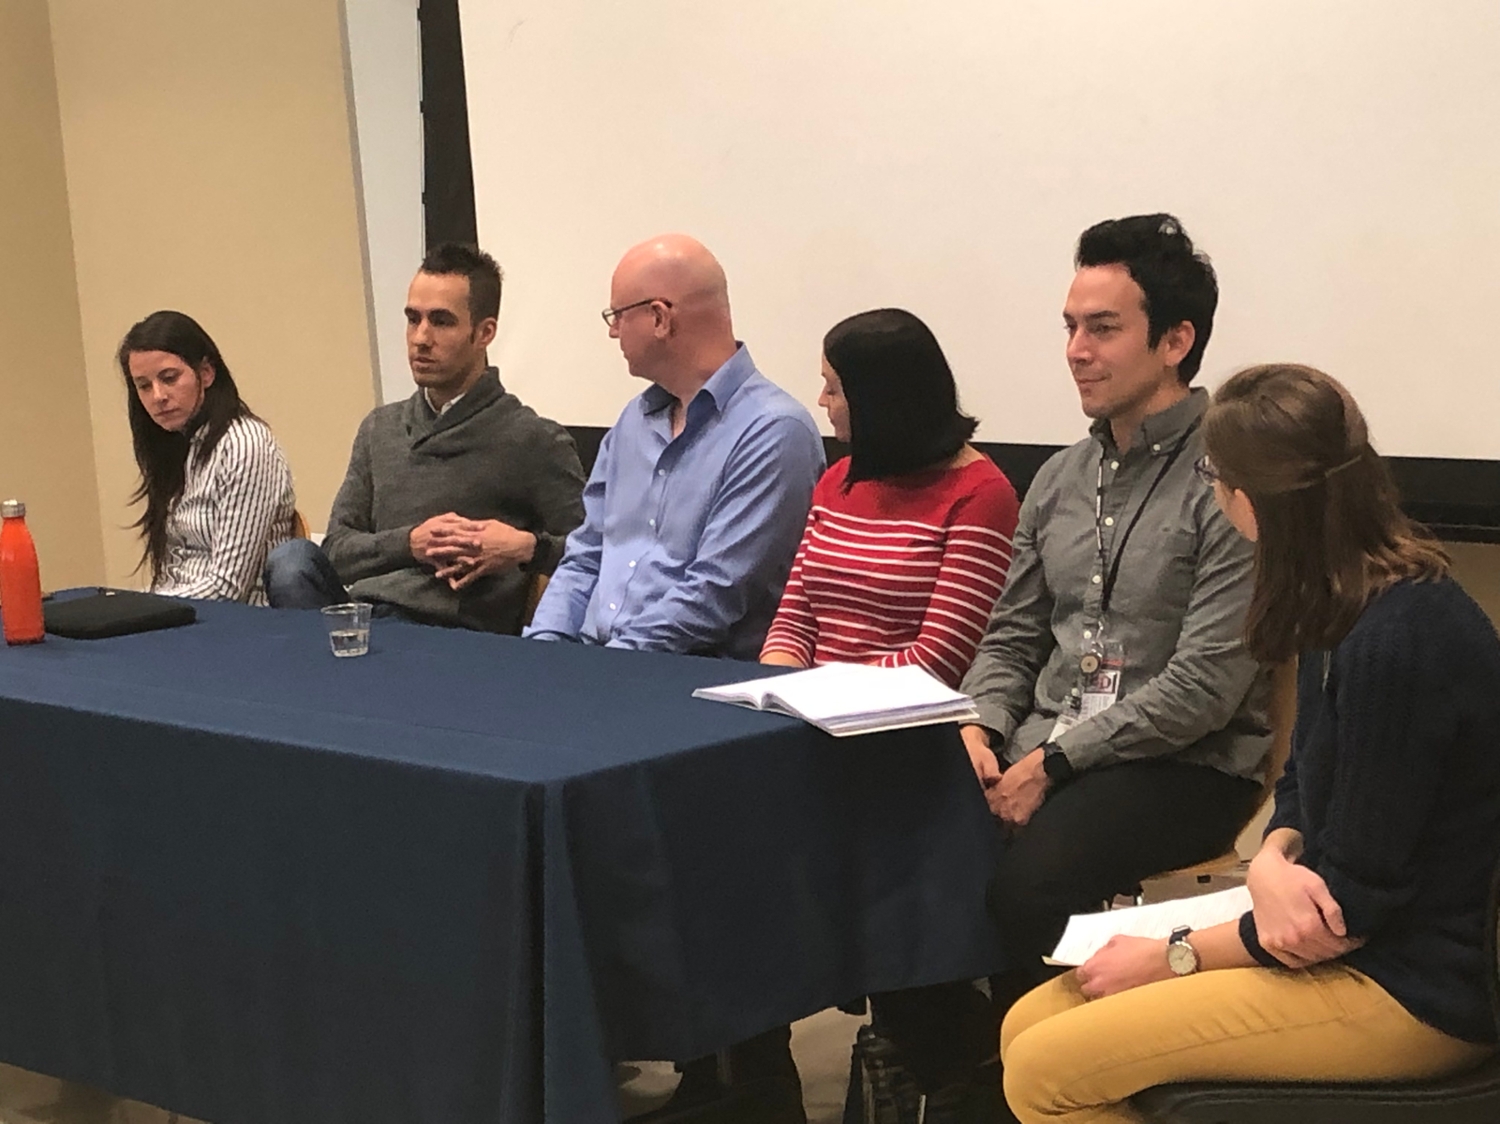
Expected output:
{"points": [[30, 1098], [821, 1045]]}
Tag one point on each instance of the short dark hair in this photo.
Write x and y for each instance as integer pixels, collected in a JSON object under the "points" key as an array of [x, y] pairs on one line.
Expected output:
{"points": [[903, 404], [1177, 281], [1332, 534], [483, 272]]}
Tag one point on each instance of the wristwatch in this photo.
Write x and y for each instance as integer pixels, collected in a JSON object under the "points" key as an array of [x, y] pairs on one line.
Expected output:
{"points": [[1182, 957], [1055, 764]]}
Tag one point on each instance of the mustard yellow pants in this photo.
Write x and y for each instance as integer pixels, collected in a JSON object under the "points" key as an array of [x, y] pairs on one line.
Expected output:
{"points": [[1069, 1060]]}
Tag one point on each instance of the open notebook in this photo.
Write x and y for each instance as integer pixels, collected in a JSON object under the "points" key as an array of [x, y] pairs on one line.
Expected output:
{"points": [[849, 698]]}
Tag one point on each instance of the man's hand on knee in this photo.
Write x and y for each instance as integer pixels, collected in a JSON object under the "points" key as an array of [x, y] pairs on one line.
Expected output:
{"points": [[1021, 790], [981, 756]]}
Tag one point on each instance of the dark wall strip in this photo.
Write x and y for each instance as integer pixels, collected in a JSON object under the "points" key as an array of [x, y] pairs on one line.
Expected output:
{"points": [[1458, 499], [448, 182]]}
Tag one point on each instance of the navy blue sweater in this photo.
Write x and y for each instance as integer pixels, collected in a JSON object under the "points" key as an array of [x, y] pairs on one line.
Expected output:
{"points": [[1394, 783]]}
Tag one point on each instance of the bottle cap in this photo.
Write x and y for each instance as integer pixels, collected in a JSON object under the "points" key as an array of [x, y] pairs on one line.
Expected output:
{"points": [[12, 509]]}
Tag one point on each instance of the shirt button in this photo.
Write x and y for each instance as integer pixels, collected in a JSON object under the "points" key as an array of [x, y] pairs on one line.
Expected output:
{"points": [[661, 472], [1097, 579], [1075, 692], [1114, 464], [632, 564], [611, 604], [1088, 634], [1156, 448], [651, 522], [1109, 520]]}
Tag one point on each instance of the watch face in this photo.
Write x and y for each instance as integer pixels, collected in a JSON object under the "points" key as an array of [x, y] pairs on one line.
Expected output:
{"points": [[1182, 958]]}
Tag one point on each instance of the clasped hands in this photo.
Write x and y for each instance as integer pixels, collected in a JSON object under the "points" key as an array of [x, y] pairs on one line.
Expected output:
{"points": [[1014, 795], [461, 551]]}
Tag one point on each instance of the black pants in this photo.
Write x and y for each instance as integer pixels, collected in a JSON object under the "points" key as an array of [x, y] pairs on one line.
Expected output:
{"points": [[1095, 837], [1100, 835]]}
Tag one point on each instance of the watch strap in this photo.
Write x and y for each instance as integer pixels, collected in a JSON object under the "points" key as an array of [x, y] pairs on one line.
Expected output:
{"points": [[1055, 764]]}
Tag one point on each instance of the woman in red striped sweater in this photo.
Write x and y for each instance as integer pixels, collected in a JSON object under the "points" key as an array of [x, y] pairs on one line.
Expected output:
{"points": [[909, 539]]}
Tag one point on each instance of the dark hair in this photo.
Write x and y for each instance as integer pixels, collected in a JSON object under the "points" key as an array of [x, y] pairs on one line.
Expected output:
{"points": [[160, 454], [462, 259], [1331, 530], [1177, 281], [903, 404]]}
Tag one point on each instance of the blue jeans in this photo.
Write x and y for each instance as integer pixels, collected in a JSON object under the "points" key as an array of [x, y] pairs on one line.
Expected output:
{"points": [[299, 576]]}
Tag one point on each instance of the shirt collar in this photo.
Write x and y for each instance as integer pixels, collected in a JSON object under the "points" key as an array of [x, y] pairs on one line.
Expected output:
{"points": [[1160, 433], [720, 387], [427, 397]]}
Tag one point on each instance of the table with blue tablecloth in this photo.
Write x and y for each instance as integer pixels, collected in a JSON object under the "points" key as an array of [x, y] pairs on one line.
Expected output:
{"points": [[449, 881]]}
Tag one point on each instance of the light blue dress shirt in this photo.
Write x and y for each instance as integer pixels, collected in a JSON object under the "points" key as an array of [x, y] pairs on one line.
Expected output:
{"points": [[687, 542]]}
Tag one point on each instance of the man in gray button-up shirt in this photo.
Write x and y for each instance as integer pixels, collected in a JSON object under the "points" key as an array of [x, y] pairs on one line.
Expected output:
{"points": [[1118, 532]]}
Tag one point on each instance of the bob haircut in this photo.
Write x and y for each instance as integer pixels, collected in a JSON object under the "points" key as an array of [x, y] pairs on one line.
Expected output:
{"points": [[903, 404], [160, 454], [1332, 534]]}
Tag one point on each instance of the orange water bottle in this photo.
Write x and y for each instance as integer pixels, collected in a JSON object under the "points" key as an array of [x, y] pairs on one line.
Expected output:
{"points": [[20, 578]]}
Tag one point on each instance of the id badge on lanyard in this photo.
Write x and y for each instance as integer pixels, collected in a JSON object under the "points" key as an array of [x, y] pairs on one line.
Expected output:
{"points": [[1101, 659], [1101, 664]]}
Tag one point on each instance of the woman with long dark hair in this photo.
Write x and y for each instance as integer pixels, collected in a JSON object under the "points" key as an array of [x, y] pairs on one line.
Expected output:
{"points": [[217, 488], [909, 539], [1363, 958]]}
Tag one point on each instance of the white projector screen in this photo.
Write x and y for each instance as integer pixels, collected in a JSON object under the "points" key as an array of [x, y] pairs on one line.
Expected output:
{"points": [[1339, 160]]}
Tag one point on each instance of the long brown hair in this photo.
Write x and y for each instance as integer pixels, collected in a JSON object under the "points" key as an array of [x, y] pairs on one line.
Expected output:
{"points": [[1332, 534], [162, 455]]}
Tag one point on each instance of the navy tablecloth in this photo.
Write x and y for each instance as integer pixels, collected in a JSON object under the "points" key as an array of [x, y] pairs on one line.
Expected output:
{"points": [[449, 881]]}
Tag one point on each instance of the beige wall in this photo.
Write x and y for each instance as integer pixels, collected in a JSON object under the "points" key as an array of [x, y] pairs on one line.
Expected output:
{"points": [[210, 168], [46, 455]]}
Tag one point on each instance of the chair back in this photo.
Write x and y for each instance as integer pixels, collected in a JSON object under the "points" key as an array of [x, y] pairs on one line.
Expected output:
{"points": [[534, 590], [1283, 722], [299, 526], [1492, 944]]}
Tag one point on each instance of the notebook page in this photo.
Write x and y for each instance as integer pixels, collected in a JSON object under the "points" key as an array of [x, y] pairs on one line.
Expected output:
{"points": [[1087, 933], [748, 692], [843, 691]]}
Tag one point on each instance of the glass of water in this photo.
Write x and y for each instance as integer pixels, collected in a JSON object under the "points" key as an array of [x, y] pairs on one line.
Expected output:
{"points": [[348, 628]]}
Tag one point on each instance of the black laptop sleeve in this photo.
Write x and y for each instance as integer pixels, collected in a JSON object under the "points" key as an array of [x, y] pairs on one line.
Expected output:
{"points": [[114, 612]]}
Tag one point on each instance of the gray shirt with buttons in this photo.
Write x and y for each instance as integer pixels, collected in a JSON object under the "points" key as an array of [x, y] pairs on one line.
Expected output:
{"points": [[1189, 689]]}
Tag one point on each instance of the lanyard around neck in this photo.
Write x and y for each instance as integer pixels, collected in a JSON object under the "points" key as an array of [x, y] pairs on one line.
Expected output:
{"points": [[1111, 570]]}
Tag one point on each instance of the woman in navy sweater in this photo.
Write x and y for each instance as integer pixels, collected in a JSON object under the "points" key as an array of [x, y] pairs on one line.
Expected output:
{"points": [[1363, 958]]}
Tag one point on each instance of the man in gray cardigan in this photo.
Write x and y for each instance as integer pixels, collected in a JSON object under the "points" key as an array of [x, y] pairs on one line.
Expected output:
{"points": [[454, 497]]}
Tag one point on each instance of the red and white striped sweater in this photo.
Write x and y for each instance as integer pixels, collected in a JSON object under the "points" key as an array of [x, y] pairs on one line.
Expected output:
{"points": [[898, 571]]}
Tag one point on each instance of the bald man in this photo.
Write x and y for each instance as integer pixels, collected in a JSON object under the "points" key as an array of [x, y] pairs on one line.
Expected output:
{"points": [[700, 491]]}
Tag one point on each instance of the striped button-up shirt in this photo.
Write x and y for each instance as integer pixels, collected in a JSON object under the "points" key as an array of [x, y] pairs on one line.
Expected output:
{"points": [[236, 505]]}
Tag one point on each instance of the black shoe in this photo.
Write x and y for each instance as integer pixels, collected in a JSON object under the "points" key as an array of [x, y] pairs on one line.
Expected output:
{"points": [[769, 1102], [764, 1087], [979, 1100]]}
